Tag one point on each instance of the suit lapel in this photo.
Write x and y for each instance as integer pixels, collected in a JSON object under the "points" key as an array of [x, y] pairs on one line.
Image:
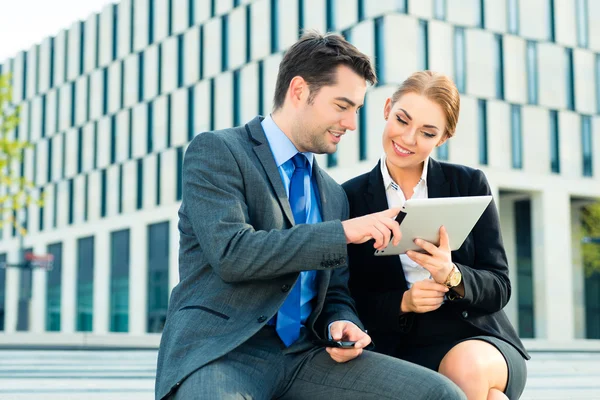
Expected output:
{"points": [[376, 201], [265, 156], [375, 198], [437, 184]]}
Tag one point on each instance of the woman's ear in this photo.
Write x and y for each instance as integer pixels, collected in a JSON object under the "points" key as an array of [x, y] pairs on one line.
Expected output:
{"points": [[443, 139], [387, 108]]}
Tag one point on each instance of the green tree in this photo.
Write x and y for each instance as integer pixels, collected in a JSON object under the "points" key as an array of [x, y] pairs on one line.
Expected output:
{"points": [[590, 221], [16, 192]]}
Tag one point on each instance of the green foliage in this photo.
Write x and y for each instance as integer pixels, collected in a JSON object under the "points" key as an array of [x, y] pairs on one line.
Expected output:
{"points": [[590, 227], [15, 190]]}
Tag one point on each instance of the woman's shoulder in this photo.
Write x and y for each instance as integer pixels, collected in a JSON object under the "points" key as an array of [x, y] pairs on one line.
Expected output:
{"points": [[459, 171], [357, 184]]}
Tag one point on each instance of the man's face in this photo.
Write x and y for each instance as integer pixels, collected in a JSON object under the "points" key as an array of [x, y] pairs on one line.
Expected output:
{"points": [[321, 123]]}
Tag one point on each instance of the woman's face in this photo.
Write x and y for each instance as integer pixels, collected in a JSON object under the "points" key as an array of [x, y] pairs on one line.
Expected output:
{"points": [[414, 126]]}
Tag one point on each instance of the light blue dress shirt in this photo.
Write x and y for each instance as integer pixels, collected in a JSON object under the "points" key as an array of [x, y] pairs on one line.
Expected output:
{"points": [[283, 150]]}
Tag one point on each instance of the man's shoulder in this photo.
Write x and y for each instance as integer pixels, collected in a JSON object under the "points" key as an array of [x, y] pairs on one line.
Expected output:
{"points": [[229, 137]]}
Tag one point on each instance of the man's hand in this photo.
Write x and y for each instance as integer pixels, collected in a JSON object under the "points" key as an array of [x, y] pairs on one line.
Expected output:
{"points": [[379, 226], [347, 331], [423, 296], [439, 260]]}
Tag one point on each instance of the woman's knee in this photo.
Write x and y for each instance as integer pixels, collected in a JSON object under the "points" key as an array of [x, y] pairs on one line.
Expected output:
{"points": [[475, 362]]}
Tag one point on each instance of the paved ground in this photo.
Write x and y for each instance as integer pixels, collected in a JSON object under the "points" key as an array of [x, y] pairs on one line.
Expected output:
{"points": [[129, 375]]}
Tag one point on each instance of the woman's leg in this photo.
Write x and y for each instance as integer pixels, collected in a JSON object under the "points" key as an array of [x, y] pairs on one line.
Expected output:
{"points": [[478, 368]]}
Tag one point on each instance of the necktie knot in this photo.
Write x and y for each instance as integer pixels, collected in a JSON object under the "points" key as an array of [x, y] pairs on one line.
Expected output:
{"points": [[299, 161]]}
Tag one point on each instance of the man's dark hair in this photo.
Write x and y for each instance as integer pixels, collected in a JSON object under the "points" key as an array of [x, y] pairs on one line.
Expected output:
{"points": [[315, 57]]}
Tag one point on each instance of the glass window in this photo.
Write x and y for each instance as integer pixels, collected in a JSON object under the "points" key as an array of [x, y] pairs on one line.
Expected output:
{"points": [[499, 39], [424, 44], [237, 98], [460, 59], [55, 205], [212, 104], [554, 143], [570, 80], [582, 22], [191, 12], [532, 73], [73, 103], [330, 15], [261, 91], [380, 50], [483, 141], [592, 306], [361, 9], [169, 116], [82, 46], [402, 6], [180, 63], [85, 284], [443, 152], [249, 32], [51, 83], [103, 193], [158, 275], [150, 128], [301, 14], [71, 201], [516, 136], [113, 138], [41, 215], [274, 26], [53, 289], [225, 42], [150, 21], [179, 173], [105, 84], [551, 24], [141, 76], [160, 68], [362, 132], [115, 33], [513, 16], [2, 291], [140, 184], [525, 293], [24, 299], [586, 145], [332, 160], [190, 113], [481, 14], [201, 52], [43, 119], [119, 281], [439, 9]]}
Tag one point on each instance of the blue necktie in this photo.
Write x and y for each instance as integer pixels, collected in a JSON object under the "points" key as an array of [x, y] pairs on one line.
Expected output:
{"points": [[288, 316]]}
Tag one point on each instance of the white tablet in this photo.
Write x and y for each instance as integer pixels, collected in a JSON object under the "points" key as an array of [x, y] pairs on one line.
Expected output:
{"points": [[422, 218]]}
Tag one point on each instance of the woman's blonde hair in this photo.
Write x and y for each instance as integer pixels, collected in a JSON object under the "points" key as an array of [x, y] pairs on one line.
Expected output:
{"points": [[438, 88]]}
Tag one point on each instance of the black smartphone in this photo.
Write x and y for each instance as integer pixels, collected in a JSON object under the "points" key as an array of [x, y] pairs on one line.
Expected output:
{"points": [[340, 344]]}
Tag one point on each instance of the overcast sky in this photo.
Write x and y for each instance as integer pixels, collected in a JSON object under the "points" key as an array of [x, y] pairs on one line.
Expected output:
{"points": [[24, 23]]}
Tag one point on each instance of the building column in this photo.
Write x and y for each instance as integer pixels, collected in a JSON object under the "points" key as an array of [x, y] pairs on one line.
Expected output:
{"points": [[507, 225], [138, 280], [552, 265], [101, 283], [37, 321], [68, 298]]}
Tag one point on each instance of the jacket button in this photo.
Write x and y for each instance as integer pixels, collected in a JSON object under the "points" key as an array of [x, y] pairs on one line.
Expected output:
{"points": [[261, 319], [285, 288], [465, 314]]}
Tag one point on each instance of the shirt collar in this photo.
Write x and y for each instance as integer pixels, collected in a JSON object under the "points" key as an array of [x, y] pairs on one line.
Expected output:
{"points": [[281, 146], [387, 178]]}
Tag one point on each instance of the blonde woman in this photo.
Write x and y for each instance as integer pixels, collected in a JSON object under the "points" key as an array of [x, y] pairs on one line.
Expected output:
{"points": [[439, 309]]}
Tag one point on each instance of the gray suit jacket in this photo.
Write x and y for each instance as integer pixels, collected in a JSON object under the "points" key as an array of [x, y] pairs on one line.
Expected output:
{"points": [[240, 253]]}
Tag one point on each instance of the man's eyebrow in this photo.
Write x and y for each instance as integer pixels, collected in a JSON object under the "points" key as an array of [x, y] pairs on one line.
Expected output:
{"points": [[347, 100]]}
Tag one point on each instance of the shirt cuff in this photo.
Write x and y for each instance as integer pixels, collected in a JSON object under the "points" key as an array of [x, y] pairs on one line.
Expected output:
{"points": [[329, 327]]}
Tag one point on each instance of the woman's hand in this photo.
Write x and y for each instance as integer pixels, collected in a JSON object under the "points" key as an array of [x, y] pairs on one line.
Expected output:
{"points": [[423, 296], [439, 260]]}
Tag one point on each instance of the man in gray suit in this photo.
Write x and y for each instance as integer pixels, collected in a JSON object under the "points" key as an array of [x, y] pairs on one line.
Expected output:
{"points": [[262, 261]]}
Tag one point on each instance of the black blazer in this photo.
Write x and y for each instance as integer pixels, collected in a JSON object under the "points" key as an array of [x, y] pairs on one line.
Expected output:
{"points": [[378, 283]]}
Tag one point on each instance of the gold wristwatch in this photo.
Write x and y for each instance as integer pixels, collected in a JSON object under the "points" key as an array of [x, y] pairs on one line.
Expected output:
{"points": [[454, 278]]}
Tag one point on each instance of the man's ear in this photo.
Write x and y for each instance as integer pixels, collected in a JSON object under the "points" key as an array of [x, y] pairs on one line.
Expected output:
{"points": [[297, 90], [387, 108]]}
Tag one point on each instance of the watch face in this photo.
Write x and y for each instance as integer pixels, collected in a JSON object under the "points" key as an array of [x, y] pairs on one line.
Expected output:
{"points": [[455, 279]]}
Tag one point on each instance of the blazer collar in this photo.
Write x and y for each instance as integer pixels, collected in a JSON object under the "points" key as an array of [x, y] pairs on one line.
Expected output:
{"points": [[265, 156], [437, 182]]}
